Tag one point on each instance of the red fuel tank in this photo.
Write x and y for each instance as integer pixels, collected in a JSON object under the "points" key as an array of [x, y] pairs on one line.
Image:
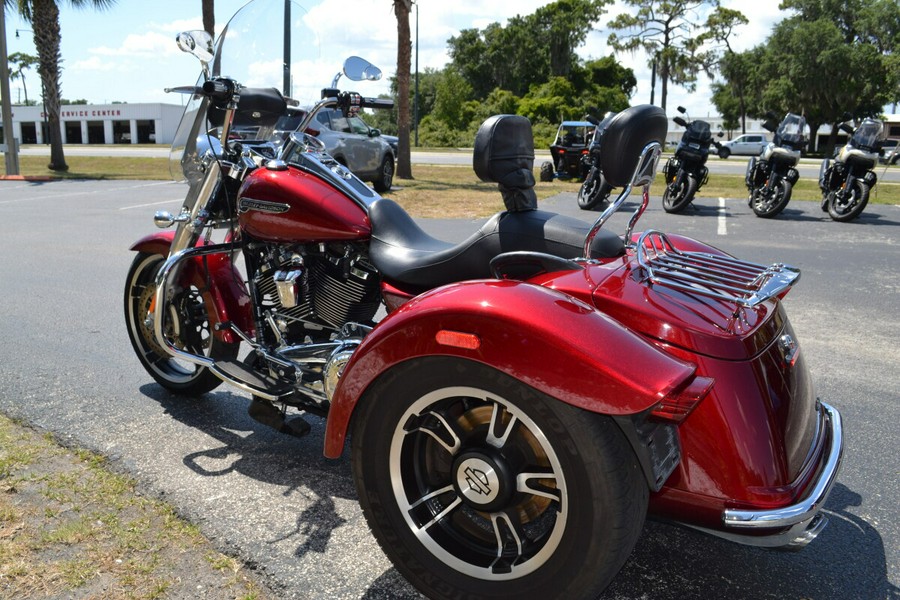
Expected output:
{"points": [[294, 206]]}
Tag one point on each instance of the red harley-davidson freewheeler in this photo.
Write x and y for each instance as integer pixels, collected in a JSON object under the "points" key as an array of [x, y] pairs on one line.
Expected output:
{"points": [[516, 404]]}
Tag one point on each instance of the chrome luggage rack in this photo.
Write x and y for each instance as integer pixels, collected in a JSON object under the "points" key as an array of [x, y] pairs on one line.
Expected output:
{"points": [[724, 278]]}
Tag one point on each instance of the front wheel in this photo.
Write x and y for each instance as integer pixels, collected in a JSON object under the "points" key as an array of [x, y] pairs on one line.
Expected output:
{"points": [[594, 191], [847, 204], [767, 204], [679, 194], [187, 326], [385, 178], [724, 152], [475, 484]]}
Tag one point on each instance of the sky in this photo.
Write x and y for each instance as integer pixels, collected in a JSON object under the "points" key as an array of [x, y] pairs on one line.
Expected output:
{"points": [[128, 52]]}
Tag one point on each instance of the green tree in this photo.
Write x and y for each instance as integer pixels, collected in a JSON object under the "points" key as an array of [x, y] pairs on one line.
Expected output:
{"points": [[670, 33], [43, 15], [19, 62], [529, 50]]}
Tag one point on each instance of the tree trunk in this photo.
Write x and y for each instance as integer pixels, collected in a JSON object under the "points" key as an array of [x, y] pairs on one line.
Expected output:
{"points": [[404, 51], [47, 39], [209, 17]]}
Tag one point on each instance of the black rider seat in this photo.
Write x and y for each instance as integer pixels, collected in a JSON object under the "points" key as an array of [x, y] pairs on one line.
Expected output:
{"points": [[407, 255], [504, 154]]}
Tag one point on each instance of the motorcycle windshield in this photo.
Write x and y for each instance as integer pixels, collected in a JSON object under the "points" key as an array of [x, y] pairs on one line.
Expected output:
{"points": [[256, 50], [698, 131], [792, 130], [868, 135]]}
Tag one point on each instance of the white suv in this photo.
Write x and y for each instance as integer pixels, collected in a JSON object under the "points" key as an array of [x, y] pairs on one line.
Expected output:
{"points": [[749, 143]]}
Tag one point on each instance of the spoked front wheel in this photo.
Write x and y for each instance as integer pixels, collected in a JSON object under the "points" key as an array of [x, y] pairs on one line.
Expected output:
{"points": [[476, 484], [187, 326]]}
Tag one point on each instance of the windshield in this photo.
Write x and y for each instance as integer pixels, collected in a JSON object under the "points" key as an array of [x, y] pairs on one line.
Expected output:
{"points": [[252, 51], [791, 131], [868, 135], [698, 131]]}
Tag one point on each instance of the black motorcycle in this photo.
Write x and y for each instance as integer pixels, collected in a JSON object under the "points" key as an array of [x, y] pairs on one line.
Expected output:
{"points": [[686, 172], [595, 190], [847, 180], [771, 177]]}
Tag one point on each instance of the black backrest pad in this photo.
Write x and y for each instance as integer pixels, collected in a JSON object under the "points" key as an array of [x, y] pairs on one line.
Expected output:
{"points": [[625, 138], [504, 151]]}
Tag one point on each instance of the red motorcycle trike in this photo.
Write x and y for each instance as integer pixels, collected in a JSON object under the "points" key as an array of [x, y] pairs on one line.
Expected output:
{"points": [[515, 404]]}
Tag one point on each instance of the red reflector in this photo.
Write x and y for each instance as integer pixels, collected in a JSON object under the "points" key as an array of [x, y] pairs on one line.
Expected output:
{"points": [[457, 339], [676, 406]]}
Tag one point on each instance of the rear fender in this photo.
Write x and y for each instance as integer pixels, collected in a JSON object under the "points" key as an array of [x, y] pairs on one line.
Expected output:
{"points": [[558, 345], [214, 273]]}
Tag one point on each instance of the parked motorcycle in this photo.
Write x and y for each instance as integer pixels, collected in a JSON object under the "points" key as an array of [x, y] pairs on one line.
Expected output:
{"points": [[847, 181], [594, 191], [516, 403], [686, 172], [771, 177]]}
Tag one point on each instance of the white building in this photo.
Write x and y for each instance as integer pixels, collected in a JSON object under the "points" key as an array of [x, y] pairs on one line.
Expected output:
{"points": [[100, 123]]}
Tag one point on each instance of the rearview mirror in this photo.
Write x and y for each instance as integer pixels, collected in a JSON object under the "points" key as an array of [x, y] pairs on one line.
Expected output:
{"points": [[359, 69], [196, 42]]}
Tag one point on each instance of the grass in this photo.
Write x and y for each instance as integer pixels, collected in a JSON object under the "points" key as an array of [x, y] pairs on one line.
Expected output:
{"points": [[71, 527], [98, 167]]}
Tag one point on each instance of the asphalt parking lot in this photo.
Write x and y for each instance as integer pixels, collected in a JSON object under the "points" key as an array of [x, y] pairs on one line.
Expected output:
{"points": [[67, 366]]}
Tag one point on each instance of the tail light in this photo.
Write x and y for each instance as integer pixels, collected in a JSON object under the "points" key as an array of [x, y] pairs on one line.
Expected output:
{"points": [[681, 401]]}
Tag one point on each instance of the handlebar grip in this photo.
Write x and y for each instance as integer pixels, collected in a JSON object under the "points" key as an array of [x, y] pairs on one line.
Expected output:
{"points": [[219, 90], [377, 103]]}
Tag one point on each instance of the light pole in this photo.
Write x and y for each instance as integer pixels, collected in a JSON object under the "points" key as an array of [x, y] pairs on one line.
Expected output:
{"points": [[12, 153]]}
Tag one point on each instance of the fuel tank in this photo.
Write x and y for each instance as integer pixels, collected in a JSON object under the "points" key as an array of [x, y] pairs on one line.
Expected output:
{"points": [[293, 206]]}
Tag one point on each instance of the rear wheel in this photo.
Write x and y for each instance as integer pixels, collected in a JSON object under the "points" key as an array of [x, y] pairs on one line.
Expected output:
{"points": [[679, 194], [385, 178], [187, 326], [546, 171], [769, 204], [475, 484], [845, 205]]}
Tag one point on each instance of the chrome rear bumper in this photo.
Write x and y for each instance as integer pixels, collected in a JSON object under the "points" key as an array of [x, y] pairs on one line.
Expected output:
{"points": [[794, 526]]}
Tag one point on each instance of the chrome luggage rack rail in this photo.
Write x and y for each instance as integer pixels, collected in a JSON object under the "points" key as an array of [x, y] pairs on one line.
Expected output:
{"points": [[744, 283]]}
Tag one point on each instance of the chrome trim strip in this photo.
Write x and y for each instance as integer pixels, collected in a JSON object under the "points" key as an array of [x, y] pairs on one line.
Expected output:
{"points": [[808, 506]]}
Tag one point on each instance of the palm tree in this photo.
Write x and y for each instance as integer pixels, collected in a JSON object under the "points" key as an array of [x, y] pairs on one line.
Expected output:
{"points": [[20, 61], [404, 51], [43, 15], [209, 16]]}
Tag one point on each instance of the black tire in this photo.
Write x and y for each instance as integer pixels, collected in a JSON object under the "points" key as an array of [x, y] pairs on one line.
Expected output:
{"points": [[594, 191], [443, 490], [189, 327], [767, 207], [848, 206], [678, 195], [546, 171], [724, 152], [385, 178]]}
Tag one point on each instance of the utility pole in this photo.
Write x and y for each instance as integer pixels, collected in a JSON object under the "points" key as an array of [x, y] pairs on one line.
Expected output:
{"points": [[12, 152]]}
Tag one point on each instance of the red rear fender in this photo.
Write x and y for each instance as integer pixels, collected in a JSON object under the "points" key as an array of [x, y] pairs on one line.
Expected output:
{"points": [[225, 284], [548, 340]]}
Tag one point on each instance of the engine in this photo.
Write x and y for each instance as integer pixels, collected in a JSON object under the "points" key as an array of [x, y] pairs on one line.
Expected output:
{"points": [[312, 290]]}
